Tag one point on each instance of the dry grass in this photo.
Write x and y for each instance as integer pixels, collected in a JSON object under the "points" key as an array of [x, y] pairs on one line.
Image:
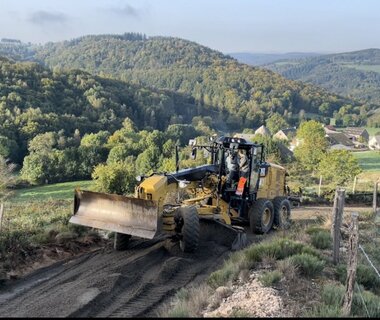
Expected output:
{"points": [[188, 302], [288, 269]]}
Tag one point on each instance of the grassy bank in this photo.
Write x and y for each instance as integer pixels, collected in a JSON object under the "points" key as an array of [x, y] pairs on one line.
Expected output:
{"points": [[39, 216], [298, 264]]}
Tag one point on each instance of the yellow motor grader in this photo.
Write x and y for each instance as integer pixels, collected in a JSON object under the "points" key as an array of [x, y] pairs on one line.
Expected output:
{"points": [[175, 203]]}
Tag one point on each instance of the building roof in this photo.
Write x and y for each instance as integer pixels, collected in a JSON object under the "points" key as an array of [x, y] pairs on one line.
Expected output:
{"points": [[339, 138], [330, 127], [286, 153], [354, 131], [263, 130], [289, 131], [247, 136]]}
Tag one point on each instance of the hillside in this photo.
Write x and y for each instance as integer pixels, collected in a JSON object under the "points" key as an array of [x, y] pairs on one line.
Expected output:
{"points": [[352, 74], [245, 95], [210, 77], [258, 59], [35, 100], [16, 50]]}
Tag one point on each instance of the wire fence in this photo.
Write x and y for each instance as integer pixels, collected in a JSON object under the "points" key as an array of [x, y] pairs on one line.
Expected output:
{"points": [[369, 260], [358, 287], [362, 298]]}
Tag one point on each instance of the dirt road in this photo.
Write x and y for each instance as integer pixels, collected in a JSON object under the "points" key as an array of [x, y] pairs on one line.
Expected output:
{"points": [[131, 283], [107, 283]]}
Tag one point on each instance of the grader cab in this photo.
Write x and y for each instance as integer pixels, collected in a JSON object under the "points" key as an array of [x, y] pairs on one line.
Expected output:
{"points": [[176, 204]]}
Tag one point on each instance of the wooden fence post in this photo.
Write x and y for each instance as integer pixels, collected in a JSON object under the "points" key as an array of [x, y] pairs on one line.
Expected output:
{"points": [[352, 264], [320, 184], [354, 186], [1, 214], [375, 197], [337, 222]]}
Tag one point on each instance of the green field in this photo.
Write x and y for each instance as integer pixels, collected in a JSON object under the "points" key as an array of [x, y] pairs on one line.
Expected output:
{"points": [[369, 160], [58, 191], [372, 131]]}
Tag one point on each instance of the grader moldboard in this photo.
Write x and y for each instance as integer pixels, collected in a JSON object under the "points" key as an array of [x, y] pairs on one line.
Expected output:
{"points": [[181, 204]]}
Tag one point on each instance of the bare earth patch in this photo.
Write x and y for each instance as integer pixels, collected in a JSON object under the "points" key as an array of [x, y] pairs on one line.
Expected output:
{"points": [[250, 299]]}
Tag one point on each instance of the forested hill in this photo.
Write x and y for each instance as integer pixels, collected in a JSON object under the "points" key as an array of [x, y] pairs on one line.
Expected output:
{"points": [[259, 59], [211, 78], [352, 74], [35, 100]]}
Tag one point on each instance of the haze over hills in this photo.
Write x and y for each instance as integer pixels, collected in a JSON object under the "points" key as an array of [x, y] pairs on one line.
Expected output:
{"points": [[352, 74], [258, 59]]}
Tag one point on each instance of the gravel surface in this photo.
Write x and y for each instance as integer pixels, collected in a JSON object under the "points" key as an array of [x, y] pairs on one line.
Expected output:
{"points": [[250, 299]]}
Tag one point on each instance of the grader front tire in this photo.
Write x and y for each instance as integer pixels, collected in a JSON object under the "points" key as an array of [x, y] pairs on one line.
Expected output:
{"points": [[187, 221]]}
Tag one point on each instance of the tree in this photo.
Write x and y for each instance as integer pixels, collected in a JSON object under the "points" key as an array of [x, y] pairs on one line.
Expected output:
{"points": [[9, 148], [276, 122], [118, 153], [37, 167], [7, 178], [148, 161], [313, 144], [117, 177], [43, 143], [339, 167]]}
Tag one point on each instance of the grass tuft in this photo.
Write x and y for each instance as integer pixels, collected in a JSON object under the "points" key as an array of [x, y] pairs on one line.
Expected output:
{"points": [[309, 265], [270, 278], [321, 240]]}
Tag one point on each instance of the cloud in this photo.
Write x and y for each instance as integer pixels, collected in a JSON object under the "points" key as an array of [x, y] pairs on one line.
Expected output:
{"points": [[127, 11], [45, 17]]}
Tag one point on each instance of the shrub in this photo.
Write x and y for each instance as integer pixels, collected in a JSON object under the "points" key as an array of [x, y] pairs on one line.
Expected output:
{"points": [[365, 276], [366, 216], [332, 299], [309, 265], [189, 302], [270, 278], [180, 310], [221, 277], [321, 240], [239, 313], [229, 271], [279, 249], [287, 268], [314, 229]]}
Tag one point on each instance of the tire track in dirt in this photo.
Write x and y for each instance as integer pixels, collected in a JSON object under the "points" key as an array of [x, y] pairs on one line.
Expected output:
{"points": [[107, 283]]}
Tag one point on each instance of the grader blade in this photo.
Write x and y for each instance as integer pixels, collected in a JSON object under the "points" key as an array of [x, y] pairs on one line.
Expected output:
{"points": [[233, 237], [136, 217]]}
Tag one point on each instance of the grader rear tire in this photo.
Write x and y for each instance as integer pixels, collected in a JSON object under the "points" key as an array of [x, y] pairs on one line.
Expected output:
{"points": [[281, 212], [187, 221], [261, 216], [121, 241]]}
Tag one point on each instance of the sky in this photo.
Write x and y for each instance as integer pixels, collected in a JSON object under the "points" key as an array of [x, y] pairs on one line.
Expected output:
{"points": [[260, 26]]}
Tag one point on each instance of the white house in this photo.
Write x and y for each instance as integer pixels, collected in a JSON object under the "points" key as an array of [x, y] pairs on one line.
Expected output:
{"points": [[374, 143]]}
